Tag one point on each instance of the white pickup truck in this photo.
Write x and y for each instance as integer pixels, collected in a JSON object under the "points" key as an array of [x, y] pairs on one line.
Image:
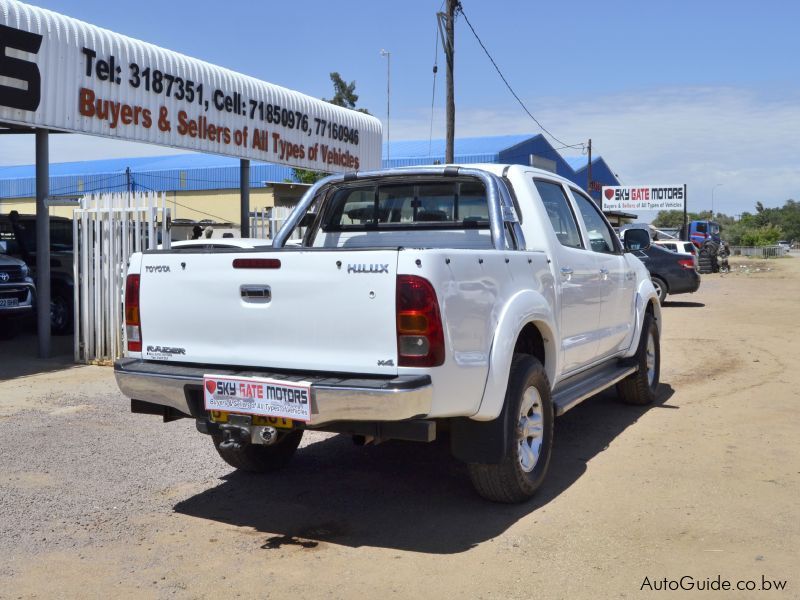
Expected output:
{"points": [[478, 301]]}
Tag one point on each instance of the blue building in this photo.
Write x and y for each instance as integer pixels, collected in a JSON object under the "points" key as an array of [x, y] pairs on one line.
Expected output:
{"points": [[206, 184]]}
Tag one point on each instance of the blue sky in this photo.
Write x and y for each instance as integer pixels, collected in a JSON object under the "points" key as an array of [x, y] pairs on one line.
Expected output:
{"points": [[704, 92]]}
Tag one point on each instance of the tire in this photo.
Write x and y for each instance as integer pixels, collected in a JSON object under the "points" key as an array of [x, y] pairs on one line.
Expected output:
{"points": [[640, 387], [661, 288], [255, 458], [61, 314], [521, 472]]}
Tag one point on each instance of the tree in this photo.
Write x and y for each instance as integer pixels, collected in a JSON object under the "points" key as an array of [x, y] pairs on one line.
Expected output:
{"points": [[674, 218], [344, 94]]}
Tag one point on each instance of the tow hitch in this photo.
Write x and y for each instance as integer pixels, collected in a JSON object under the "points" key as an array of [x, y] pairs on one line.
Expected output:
{"points": [[239, 431]]}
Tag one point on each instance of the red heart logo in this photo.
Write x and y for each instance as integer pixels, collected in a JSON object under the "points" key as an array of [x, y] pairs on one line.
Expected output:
{"points": [[211, 386], [609, 193]]}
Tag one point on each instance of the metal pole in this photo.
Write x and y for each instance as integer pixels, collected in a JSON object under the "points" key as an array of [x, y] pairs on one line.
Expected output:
{"points": [[388, 56], [42, 243], [244, 197], [450, 56], [685, 235], [589, 171]]}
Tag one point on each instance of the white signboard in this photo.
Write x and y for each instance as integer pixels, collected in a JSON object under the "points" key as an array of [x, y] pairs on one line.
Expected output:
{"points": [[60, 73], [258, 396], [644, 197]]}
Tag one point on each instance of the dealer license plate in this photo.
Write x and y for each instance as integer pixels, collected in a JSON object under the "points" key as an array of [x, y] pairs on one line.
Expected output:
{"points": [[260, 396], [9, 302], [220, 416]]}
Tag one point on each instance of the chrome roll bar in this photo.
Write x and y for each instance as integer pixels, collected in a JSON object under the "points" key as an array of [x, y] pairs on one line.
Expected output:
{"points": [[501, 208]]}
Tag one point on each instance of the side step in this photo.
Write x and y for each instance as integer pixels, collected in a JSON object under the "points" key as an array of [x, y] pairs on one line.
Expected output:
{"points": [[576, 389]]}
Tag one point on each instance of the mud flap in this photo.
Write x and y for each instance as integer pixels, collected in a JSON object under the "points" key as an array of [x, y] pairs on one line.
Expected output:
{"points": [[480, 441]]}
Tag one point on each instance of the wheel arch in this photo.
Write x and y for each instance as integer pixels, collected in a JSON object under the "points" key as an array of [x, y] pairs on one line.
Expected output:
{"points": [[527, 325]]}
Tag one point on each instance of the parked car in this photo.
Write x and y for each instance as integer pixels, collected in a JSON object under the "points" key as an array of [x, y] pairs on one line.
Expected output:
{"points": [[785, 244], [671, 273], [19, 234], [680, 247], [17, 290]]}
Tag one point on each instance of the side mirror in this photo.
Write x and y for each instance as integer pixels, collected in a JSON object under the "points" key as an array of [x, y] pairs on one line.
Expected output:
{"points": [[307, 220], [636, 239]]}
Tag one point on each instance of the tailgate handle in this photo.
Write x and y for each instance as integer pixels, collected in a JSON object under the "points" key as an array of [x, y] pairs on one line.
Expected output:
{"points": [[258, 294]]}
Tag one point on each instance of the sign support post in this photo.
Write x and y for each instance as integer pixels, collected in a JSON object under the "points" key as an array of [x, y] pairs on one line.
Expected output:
{"points": [[685, 216], [244, 197], [42, 243]]}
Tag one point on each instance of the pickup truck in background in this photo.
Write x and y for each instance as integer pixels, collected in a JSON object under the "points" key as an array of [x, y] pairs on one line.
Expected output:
{"points": [[17, 292], [479, 301]]}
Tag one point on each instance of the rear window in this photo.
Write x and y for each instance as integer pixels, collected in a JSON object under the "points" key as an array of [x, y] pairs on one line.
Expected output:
{"points": [[424, 205]]}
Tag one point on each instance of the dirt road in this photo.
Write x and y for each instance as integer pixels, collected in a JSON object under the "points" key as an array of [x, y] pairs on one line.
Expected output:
{"points": [[100, 503]]}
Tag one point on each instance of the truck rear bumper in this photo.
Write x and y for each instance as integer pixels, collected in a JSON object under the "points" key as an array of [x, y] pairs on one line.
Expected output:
{"points": [[333, 397]]}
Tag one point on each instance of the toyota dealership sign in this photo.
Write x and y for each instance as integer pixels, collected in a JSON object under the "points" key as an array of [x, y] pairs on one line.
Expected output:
{"points": [[61, 73], [644, 197]]}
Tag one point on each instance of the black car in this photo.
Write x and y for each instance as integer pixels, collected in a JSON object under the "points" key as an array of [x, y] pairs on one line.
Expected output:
{"points": [[671, 273]]}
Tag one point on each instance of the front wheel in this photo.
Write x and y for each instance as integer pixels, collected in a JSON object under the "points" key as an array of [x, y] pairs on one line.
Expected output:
{"points": [[528, 412], [640, 387], [256, 458]]}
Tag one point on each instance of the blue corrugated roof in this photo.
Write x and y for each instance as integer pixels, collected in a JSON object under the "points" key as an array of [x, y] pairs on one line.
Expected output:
{"points": [[461, 146], [210, 172], [576, 162]]}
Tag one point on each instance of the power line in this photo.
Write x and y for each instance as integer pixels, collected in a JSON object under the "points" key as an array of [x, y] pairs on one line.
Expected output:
{"points": [[433, 93], [510, 89]]}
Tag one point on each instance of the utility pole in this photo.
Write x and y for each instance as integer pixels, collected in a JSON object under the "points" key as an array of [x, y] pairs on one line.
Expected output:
{"points": [[388, 56], [448, 41], [589, 171]]}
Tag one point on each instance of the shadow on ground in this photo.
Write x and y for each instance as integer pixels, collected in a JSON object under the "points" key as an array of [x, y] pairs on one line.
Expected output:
{"points": [[400, 495], [682, 304], [19, 351]]}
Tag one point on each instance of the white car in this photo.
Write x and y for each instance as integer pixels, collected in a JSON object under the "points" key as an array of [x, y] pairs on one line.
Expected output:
{"points": [[487, 299], [679, 246]]}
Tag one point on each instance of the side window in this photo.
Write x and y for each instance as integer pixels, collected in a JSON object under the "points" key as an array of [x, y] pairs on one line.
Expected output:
{"points": [[560, 213], [601, 238]]}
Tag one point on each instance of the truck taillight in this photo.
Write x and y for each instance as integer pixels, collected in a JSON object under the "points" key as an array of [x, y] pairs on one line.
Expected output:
{"points": [[686, 263], [133, 323], [420, 338]]}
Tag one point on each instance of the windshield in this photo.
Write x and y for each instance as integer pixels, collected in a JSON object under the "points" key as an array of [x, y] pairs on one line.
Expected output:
{"points": [[714, 228], [21, 239]]}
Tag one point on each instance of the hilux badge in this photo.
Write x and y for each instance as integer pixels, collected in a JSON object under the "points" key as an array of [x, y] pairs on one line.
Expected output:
{"points": [[384, 268]]}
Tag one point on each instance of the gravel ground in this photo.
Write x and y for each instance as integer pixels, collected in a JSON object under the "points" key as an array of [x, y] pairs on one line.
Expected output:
{"points": [[97, 502]]}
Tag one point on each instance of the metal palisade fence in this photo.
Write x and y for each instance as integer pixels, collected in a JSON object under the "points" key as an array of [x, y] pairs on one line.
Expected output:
{"points": [[107, 229], [266, 222]]}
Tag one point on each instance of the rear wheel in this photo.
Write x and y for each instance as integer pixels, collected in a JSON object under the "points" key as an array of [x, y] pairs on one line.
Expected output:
{"points": [[661, 288], [528, 412], [256, 458], [640, 387]]}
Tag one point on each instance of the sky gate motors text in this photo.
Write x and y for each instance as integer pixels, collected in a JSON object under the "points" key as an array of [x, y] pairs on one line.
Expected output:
{"points": [[648, 193], [257, 391]]}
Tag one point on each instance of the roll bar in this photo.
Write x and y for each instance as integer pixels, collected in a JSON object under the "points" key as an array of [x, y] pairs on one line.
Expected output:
{"points": [[501, 208]]}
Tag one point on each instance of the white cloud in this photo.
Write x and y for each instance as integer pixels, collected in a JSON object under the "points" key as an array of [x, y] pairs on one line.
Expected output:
{"points": [[748, 141]]}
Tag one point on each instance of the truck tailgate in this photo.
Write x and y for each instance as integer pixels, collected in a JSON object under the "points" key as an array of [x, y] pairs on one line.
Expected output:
{"points": [[315, 310]]}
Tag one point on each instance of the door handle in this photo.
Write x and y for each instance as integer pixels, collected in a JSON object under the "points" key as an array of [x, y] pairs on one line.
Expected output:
{"points": [[257, 294], [566, 271], [604, 273]]}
